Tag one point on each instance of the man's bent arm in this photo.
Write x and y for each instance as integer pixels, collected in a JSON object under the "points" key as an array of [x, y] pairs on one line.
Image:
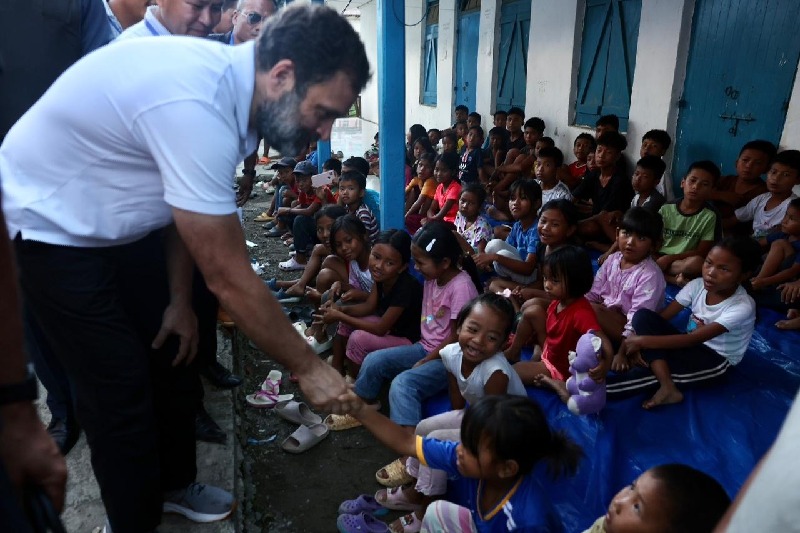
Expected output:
{"points": [[217, 245]]}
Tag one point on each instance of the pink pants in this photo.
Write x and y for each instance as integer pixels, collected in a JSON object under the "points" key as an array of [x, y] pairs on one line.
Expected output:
{"points": [[444, 426], [445, 517], [360, 343]]}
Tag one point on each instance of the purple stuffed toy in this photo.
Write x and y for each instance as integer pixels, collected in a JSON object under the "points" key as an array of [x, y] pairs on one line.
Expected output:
{"points": [[586, 396]]}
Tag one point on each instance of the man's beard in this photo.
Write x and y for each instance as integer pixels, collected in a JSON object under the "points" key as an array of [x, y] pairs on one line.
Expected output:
{"points": [[278, 122]]}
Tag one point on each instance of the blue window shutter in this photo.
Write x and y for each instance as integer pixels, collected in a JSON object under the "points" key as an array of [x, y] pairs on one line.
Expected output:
{"points": [[608, 60], [515, 24], [429, 65]]}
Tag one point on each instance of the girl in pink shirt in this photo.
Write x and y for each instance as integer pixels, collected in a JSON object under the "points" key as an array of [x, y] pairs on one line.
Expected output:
{"points": [[445, 201], [629, 279]]}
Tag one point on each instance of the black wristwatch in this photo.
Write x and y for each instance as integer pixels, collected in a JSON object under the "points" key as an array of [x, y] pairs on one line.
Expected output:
{"points": [[27, 390], [249, 172]]}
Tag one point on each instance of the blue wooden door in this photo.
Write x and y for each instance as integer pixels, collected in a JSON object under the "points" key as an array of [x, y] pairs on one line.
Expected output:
{"points": [[512, 65], [742, 62], [608, 60], [467, 58]]}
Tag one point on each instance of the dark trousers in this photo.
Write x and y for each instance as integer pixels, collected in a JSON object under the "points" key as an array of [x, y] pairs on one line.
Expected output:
{"points": [[694, 365], [304, 229], [48, 369], [100, 309]]}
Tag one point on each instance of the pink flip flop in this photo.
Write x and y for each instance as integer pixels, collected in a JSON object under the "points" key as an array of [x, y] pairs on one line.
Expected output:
{"points": [[266, 399]]}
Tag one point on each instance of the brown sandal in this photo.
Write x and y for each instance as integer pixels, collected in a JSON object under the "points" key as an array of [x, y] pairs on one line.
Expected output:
{"points": [[396, 474]]}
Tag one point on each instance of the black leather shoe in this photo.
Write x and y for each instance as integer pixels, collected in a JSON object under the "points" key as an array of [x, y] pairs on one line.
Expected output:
{"points": [[206, 430], [220, 376], [64, 434]]}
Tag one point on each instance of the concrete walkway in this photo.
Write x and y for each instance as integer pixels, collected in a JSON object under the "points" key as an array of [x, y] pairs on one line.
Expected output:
{"points": [[216, 465]]}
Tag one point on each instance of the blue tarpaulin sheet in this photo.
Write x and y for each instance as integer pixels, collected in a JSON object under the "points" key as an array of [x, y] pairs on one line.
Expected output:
{"points": [[722, 429]]}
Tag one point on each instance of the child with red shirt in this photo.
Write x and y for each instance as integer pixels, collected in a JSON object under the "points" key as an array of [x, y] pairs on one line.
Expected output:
{"points": [[301, 215], [568, 276], [445, 201]]}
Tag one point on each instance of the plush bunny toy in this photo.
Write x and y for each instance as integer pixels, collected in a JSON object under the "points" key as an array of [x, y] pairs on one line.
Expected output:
{"points": [[586, 396]]}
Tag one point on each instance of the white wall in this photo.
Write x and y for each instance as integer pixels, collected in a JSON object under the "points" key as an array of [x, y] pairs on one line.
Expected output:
{"points": [[488, 51], [369, 96], [440, 115]]}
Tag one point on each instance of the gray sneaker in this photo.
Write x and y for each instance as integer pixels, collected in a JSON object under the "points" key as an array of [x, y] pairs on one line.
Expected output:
{"points": [[200, 503]]}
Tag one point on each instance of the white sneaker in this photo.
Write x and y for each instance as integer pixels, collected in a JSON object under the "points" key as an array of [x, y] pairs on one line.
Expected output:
{"points": [[200, 503]]}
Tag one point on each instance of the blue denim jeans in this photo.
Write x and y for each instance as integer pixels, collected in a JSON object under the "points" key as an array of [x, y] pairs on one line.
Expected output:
{"points": [[383, 365], [411, 388]]}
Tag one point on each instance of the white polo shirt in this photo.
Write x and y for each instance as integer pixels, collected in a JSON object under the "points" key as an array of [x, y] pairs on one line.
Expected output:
{"points": [[131, 130], [149, 26]]}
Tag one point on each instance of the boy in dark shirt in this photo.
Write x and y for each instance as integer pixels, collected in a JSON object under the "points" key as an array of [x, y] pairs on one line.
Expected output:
{"points": [[732, 192], [472, 159], [608, 190]]}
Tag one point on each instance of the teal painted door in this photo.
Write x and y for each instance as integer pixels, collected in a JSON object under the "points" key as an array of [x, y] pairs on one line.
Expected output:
{"points": [[512, 65], [742, 62], [608, 60], [467, 59]]}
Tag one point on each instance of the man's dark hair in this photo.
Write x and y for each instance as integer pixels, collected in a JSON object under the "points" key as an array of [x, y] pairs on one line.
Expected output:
{"points": [[462, 107], [500, 112], [475, 115], [516, 111], [301, 33]]}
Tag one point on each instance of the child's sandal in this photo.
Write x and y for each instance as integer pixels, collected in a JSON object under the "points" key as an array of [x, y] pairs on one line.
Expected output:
{"points": [[410, 523], [396, 474], [341, 422]]}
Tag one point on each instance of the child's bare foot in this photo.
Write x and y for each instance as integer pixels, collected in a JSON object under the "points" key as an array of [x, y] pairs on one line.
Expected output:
{"points": [[297, 289], [664, 396], [557, 385], [792, 322]]}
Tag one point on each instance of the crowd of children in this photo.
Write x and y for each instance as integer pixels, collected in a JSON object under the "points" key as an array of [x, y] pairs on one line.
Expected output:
{"points": [[499, 232]]}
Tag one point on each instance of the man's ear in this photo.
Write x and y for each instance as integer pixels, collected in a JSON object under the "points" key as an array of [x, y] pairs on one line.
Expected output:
{"points": [[281, 77]]}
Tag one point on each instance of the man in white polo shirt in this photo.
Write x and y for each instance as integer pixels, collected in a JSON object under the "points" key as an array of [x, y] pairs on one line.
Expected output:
{"points": [[177, 17], [128, 160]]}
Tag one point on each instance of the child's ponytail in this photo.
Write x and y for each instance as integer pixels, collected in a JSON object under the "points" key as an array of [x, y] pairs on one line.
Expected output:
{"points": [[564, 455]]}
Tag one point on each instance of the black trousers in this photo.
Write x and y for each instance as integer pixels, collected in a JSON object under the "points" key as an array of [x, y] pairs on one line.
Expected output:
{"points": [[100, 309]]}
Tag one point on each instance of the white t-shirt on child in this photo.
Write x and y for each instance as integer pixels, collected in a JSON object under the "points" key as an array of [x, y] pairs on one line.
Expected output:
{"points": [[763, 220], [737, 314], [472, 387]]}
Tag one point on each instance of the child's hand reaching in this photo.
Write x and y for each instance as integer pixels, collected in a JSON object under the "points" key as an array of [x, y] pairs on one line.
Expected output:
{"points": [[757, 283]]}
